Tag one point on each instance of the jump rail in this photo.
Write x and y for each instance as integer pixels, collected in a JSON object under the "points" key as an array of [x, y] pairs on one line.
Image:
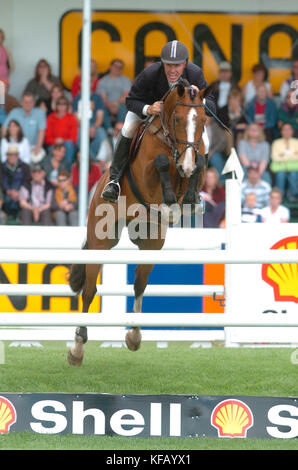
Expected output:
{"points": [[147, 257], [135, 320]]}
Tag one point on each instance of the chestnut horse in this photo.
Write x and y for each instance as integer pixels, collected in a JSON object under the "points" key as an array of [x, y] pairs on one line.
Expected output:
{"points": [[169, 169]]}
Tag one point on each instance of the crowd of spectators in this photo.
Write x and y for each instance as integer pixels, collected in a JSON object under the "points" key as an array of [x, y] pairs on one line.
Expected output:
{"points": [[264, 132], [40, 141]]}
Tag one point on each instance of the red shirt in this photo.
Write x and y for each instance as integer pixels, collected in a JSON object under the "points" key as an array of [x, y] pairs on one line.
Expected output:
{"points": [[93, 177], [76, 85], [65, 127], [218, 195], [260, 109]]}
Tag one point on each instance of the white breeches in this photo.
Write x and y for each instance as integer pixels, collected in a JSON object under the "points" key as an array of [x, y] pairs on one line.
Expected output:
{"points": [[132, 121]]}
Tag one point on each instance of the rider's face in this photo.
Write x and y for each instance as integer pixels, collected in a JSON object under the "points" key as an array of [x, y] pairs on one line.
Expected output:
{"points": [[174, 71]]}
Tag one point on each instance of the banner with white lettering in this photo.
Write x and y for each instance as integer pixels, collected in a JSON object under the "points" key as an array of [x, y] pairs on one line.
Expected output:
{"points": [[149, 415]]}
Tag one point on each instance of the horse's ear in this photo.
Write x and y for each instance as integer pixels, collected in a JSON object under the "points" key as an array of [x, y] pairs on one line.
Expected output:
{"points": [[206, 91], [180, 89]]}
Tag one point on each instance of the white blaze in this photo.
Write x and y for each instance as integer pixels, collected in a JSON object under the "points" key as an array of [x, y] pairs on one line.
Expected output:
{"points": [[187, 164]]}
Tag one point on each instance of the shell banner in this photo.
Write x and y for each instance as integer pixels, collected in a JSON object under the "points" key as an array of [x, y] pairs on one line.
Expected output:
{"points": [[264, 292], [149, 415]]}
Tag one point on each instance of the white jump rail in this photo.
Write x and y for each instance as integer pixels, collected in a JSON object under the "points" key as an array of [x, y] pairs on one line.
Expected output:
{"points": [[165, 290], [147, 256], [135, 320]]}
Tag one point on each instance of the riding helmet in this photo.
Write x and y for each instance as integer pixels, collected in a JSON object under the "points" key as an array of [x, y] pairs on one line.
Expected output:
{"points": [[174, 52]]}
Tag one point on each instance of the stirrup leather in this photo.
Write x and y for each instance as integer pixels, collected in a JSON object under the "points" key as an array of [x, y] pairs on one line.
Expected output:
{"points": [[113, 182]]}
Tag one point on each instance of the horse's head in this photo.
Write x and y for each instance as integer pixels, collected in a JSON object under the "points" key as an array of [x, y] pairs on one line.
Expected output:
{"points": [[184, 117]]}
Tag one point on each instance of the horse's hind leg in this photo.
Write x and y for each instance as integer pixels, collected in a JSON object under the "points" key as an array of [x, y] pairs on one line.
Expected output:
{"points": [[76, 352]]}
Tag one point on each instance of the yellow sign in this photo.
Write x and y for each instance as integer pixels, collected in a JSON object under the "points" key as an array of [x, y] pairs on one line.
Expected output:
{"points": [[40, 274], [242, 39]]}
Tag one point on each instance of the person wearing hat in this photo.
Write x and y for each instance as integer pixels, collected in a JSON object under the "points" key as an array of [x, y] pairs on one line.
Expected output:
{"points": [[144, 99], [13, 174], [35, 198], [224, 84]]}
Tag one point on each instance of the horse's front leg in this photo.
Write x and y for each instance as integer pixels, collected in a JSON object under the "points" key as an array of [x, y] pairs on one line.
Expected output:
{"points": [[162, 164], [190, 195]]}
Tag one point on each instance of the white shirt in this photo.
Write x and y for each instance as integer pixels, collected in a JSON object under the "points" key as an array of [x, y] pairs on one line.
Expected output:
{"points": [[23, 146], [281, 214], [223, 92]]}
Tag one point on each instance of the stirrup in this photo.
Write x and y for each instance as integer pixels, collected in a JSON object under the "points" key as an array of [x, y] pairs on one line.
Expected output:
{"points": [[112, 182]]}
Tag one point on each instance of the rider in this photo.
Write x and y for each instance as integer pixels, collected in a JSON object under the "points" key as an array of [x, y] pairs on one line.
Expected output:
{"points": [[144, 99]]}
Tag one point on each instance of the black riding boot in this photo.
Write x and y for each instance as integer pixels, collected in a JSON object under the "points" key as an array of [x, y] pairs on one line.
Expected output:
{"points": [[112, 189]]}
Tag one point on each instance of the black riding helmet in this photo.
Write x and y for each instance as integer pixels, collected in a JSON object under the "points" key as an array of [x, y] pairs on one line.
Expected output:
{"points": [[174, 52]]}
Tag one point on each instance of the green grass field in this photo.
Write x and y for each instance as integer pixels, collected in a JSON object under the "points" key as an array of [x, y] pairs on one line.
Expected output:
{"points": [[177, 369]]}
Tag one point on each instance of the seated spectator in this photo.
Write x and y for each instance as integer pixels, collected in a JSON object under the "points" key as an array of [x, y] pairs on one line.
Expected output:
{"points": [[54, 162], [62, 127], [6, 61], [288, 113], [254, 150], [223, 86], [114, 88], [32, 121], [97, 133], [10, 101], [3, 216], [254, 184], [233, 115], [64, 201], [284, 162], [263, 111], [13, 174], [14, 135], [275, 212], [93, 175], [250, 213], [286, 84], [35, 199], [42, 83], [260, 75], [214, 197], [94, 78], [50, 105]]}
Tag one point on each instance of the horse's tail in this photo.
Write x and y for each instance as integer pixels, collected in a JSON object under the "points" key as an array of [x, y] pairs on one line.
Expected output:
{"points": [[77, 275]]}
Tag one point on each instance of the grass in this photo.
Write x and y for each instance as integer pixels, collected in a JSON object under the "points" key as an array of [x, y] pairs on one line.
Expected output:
{"points": [[177, 369]]}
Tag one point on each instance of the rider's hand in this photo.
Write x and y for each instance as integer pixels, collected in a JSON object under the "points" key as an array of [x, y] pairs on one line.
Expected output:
{"points": [[155, 108]]}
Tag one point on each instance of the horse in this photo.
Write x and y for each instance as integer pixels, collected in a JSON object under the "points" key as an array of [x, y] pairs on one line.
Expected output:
{"points": [[167, 168]]}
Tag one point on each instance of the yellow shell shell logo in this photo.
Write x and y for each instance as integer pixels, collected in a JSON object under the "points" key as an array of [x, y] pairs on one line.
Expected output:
{"points": [[7, 415], [283, 277], [232, 418]]}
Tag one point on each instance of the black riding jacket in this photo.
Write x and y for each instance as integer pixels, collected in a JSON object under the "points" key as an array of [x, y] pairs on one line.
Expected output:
{"points": [[152, 84]]}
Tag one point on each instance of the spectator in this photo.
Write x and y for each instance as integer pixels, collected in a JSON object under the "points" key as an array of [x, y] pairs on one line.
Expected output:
{"points": [[284, 162], [233, 115], [214, 197], [286, 84], [250, 213], [54, 162], [275, 212], [32, 121], [260, 76], [76, 84], [253, 150], [64, 201], [62, 127], [14, 135], [263, 111], [114, 88], [6, 61], [13, 174], [223, 86], [288, 112], [254, 184], [50, 105], [93, 175], [97, 133], [2, 115], [42, 83], [10, 101], [3, 216], [35, 199]]}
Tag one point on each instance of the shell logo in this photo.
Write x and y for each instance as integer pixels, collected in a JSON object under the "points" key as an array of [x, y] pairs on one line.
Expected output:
{"points": [[283, 277], [232, 418], [8, 415]]}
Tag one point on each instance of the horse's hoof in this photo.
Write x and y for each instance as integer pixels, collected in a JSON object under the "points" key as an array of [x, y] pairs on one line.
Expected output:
{"points": [[73, 360], [133, 339]]}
